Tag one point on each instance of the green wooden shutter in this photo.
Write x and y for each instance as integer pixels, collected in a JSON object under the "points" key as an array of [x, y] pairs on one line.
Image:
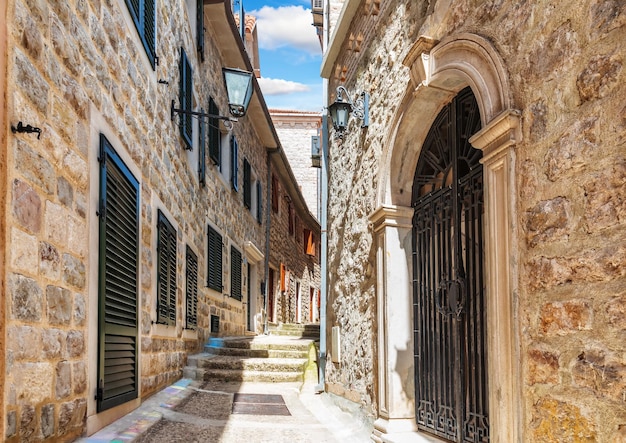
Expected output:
{"points": [[247, 185], [117, 281], [191, 290], [259, 200], [200, 27], [234, 167], [235, 275], [166, 279], [214, 260], [214, 133], [202, 153], [186, 87]]}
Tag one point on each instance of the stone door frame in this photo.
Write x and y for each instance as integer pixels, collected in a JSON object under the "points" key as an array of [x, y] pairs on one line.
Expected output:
{"points": [[438, 71]]}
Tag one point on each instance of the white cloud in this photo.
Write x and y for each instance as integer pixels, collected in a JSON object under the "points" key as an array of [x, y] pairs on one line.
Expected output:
{"points": [[286, 26], [276, 86]]}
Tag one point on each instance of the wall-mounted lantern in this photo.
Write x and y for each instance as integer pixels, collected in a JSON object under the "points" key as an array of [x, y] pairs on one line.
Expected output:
{"points": [[342, 107]]}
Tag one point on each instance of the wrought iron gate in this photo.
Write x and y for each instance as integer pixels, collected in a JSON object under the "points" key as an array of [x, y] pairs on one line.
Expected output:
{"points": [[448, 287]]}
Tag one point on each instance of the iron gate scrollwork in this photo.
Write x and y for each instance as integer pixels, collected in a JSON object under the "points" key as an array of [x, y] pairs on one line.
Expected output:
{"points": [[448, 286]]}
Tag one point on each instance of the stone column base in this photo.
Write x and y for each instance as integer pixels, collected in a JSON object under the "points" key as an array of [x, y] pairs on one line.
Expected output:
{"points": [[402, 430]]}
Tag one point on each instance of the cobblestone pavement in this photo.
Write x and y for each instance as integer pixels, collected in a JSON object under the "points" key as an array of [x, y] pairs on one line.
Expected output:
{"points": [[217, 412]]}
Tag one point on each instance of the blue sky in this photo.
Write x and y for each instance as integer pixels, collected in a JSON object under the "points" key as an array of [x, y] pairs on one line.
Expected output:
{"points": [[289, 52]]}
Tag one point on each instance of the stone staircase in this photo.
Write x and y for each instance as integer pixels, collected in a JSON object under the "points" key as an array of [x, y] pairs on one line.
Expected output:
{"points": [[282, 356], [311, 331]]}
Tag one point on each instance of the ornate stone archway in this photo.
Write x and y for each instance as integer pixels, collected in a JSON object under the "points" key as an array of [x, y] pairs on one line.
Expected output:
{"points": [[439, 70]]}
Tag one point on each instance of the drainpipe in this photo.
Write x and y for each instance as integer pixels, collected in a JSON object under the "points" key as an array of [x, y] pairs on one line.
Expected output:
{"points": [[321, 387], [268, 214]]}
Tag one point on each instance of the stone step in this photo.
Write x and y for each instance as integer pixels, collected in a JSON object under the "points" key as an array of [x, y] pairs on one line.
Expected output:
{"points": [[249, 376], [250, 343], [253, 364], [295, 333], [256, 353]]}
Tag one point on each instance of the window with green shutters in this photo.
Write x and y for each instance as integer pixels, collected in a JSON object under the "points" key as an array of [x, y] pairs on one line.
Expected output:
{"points": [[214, 260], [214, 133], [259, 199], [235, 273], [186, 99], [118, 276], [143, 13], [191, 289], [234, 166], [166, 268], [247, 184], [200, 27], [202, 153]]}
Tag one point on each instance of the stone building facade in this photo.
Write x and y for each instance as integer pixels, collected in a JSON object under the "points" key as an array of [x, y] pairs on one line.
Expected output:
{"points": [[294, 260], [131, 233], [548, 83], [296, 129]]}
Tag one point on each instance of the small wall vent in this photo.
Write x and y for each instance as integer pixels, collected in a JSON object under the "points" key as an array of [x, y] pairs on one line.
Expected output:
{"points": [[215, 324], [336, 351]]}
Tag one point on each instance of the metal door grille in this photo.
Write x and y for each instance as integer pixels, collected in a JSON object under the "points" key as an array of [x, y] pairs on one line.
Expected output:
{"points": [[448, 286]]}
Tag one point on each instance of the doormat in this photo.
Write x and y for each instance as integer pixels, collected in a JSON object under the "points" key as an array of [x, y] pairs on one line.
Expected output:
{"points": [[260, 404]]}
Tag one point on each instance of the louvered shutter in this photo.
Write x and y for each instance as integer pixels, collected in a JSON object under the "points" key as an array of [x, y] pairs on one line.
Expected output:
{"points": [[149, 26], [214, 260], [235, 274], [234, 167], [192, 290], [117, 281], [247, 184], [259, 199], [166, 286], [200, 27], [202, 153], [186, 120], [214, 133], [143, 13]]}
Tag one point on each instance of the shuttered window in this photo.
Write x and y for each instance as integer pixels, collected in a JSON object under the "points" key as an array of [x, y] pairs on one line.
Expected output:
{"points": [[214, 260], [144, 16], [259, 199], [247, 184], [235, 274], [200, 27], [274, 193], [186, 98], [234, 167], [214, 133], [309, 242], [166, 280], [202, 153], [117, 280], [191, 289]]}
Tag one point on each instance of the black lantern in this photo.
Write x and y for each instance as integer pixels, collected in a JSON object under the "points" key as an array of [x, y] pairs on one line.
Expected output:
{"points": [[239, 89], [341, 108]]}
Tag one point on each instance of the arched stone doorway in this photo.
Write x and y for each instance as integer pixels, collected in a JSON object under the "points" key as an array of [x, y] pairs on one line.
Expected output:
{"points": [[439, 71]]}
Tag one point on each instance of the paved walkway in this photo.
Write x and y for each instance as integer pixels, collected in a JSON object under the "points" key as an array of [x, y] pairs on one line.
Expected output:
{"points": [[226, 412]]}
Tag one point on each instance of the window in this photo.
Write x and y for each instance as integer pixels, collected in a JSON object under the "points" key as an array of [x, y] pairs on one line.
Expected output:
{"points": [[214, 260], [259, 201], [186, 98], [202, 153], [235, 273], [234, 168], [191, 290], [166, 271], [214, 133], [274, 193], [200, 27], [297, 230], [247, 184], [118, 284], [309, 242], [290, 217], [144, 16]]}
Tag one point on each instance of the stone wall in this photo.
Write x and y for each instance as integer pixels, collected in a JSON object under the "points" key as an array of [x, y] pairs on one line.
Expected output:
{"points": [[76, 69], [565, 64]]}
